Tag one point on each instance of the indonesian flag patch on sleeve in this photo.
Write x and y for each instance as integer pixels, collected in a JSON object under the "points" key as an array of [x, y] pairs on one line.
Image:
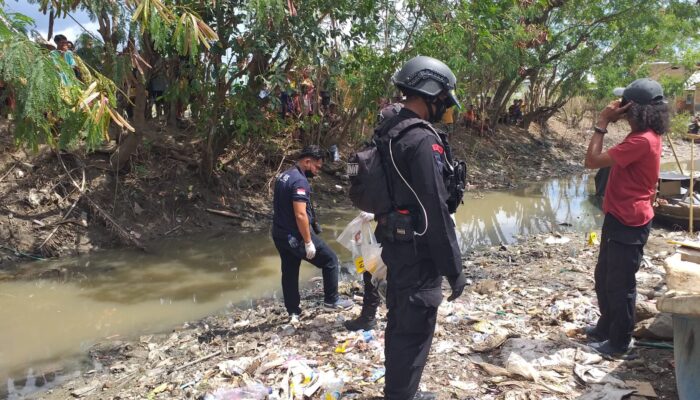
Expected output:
{"points": [[301, 192]]}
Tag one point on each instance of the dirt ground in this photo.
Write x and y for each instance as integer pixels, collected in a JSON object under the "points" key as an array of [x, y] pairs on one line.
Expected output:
{"points": [[43, 212], [514, 334]]}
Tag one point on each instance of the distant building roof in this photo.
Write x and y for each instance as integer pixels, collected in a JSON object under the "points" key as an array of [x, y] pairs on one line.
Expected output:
{"points": [[693, 81]]}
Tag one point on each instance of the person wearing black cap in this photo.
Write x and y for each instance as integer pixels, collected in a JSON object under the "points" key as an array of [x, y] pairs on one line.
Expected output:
{"points": [[629, 196], [419, 244], [294, 237]]}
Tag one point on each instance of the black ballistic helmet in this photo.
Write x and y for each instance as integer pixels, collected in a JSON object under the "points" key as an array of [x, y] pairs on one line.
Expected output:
{"points": [[427, 76], [643, 91]]}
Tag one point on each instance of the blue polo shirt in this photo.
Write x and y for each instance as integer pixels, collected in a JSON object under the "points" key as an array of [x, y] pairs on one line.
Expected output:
{"points": [[291, 185]]}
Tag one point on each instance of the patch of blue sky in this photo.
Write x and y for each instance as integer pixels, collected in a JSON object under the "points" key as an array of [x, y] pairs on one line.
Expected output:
{"points": [[62, 26]]}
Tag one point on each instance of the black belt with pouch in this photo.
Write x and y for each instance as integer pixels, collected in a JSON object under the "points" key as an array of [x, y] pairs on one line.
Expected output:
{"points": [[396, 226]]}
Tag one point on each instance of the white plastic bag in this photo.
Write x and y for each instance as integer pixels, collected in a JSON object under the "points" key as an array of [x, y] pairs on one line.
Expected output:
{"points": [[352, 234], [372, 258], [359, 238]]}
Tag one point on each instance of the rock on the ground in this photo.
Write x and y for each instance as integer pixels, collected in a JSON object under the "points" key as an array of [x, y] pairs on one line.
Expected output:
{"points": [[645, 309], [658, 328]]}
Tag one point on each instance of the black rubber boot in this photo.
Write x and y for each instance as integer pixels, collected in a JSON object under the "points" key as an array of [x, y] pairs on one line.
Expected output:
{"points": [[361, 323]]}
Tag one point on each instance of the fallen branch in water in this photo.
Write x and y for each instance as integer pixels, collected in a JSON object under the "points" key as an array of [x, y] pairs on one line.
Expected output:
{"points": [[19, 253], [113, 225], [224, 213]]}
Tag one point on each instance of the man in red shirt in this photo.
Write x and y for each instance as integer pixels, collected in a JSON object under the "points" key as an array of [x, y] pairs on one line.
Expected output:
{"points": [[629, 196]]}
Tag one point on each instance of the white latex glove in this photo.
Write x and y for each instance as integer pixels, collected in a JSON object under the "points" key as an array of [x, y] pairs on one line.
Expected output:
{"points": [[367, 217], [310, 250]]}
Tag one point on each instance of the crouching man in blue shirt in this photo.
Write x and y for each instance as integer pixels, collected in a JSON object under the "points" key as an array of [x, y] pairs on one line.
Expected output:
{"points": [[294, 237]]}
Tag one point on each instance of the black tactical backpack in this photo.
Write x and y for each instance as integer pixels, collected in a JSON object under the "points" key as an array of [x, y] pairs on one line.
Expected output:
{"points": [[368, 182], [370, 187]]}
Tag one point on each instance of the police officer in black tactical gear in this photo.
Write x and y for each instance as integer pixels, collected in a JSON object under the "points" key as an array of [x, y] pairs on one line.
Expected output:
{"points": [[295, 233], [418, 236]]}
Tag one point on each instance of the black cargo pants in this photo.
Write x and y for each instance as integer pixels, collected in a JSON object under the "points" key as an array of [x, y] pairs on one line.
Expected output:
{"points": [[291, 255], [370, 297], [413, 296], [621, 252]]}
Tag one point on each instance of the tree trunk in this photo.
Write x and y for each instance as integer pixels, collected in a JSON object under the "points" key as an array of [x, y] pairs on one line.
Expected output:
{"points": [[213, 148], [105, 30], [217, 140], [130, 144], [540, 115], [527, 121], [498, 104], [51, 21], [174, 103]]}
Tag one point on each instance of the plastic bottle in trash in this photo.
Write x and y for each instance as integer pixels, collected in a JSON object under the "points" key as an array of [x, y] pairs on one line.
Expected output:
{"points": [[332, 389], [250, 392]]}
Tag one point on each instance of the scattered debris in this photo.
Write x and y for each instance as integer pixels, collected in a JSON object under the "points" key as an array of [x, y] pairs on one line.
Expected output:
{"points": [[590, 374], [85, 390], [517, 365], [558, 239], [643, 389], [518, 333]]}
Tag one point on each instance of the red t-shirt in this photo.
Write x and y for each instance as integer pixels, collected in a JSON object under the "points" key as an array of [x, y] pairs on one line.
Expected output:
{"points": [[633, 178]]}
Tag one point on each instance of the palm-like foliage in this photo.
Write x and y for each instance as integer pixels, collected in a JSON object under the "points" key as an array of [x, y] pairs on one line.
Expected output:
{"points": [[52, 105]]}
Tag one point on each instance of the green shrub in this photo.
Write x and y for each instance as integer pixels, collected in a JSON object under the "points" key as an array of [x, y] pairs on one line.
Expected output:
{"points": [[679, 125]]}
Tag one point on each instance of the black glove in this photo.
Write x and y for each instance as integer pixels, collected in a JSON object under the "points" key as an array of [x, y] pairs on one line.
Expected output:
{"points": [[457, 283]]}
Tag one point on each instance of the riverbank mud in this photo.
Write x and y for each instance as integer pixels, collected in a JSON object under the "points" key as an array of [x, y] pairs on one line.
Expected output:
{"points": [[54, 204]]}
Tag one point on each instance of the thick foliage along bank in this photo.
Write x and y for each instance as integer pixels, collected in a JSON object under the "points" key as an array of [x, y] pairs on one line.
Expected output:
{"points": [[315, 70]]}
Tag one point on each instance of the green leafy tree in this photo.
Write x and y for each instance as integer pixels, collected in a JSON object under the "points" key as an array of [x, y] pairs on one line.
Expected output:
{"points": [[260, 42], [51, 105], [549, 50]]}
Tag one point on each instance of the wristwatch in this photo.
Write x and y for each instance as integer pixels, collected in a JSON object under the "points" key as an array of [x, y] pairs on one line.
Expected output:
{"points": [[602, 131]]}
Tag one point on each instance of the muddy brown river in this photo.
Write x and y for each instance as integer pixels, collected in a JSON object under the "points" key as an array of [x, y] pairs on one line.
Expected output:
{"points": [[47, 325]]}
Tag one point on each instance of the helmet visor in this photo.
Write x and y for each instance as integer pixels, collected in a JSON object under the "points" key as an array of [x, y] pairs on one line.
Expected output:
{"points": [[453, 99]]}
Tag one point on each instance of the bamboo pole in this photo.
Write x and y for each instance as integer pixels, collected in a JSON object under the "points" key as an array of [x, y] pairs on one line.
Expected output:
{"points": [[673, 148], [692, 180]]}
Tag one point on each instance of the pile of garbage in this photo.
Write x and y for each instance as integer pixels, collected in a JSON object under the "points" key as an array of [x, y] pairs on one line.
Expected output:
{"points": [[516, 334]]}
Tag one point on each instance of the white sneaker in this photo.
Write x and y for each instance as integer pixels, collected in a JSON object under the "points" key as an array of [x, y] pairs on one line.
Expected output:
{"points": [[294, 319]]}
